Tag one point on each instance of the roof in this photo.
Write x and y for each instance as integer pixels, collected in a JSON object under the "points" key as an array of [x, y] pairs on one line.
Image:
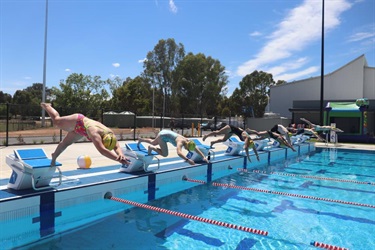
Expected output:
{"points": [[343, 106]]}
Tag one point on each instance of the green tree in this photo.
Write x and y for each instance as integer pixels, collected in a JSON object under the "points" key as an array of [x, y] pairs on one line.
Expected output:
{"points": [[81, 94], [252, 93], [134, 95], [28, 100], [199, 85], [5, 97], [158, 68]]}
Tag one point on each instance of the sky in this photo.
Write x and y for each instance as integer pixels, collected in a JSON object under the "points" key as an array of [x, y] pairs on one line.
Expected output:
{"points": [[110, 38]]}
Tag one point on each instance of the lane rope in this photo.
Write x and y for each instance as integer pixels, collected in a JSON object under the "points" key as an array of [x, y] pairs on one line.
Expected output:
{"points": [[282, 193], [327, 246], [187, 216], [307, 176]]}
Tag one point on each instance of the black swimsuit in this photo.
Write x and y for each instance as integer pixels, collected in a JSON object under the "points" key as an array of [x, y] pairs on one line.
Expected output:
{"points": [[236, 131]]}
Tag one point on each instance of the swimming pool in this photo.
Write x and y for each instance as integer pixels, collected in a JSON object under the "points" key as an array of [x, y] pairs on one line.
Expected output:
{"points": [[342, 179]]}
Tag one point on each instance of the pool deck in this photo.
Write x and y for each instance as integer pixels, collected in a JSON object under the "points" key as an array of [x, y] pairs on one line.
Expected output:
{"points": [[69, 157]]}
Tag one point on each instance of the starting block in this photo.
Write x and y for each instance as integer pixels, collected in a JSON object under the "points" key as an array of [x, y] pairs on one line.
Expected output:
{"points": [[140, 160], [262, 144], [31, 169], [270, 143], [298, 139], [235, 147], [205, 149]]}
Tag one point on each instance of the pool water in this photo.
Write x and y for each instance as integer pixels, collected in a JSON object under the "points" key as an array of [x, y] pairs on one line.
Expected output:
{"points": [[291, 222]]}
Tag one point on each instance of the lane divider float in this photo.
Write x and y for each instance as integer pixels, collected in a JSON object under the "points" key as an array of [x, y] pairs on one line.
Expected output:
{"points": [[308, 176], [327, 246], [109, 196], [282, 193]]}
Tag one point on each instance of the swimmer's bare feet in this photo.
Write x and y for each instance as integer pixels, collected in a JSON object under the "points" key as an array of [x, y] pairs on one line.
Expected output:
{"points": [[44, 105]]}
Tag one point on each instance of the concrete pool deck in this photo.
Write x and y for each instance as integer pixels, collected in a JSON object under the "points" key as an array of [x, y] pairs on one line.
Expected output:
{"points": [[68, 158]]}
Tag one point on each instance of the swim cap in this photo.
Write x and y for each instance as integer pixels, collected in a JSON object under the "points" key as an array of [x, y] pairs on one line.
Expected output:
{"points": [[109, 141], [191, 146]]}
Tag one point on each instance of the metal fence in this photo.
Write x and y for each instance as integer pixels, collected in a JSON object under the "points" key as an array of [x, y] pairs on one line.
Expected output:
{"points": [[22, 124]]}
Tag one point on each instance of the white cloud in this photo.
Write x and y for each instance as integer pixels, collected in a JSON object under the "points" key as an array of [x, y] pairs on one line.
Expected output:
{"points": [[255, 33], [287, 66], [172, 7], [299, 74], [68, 70], [366, 32], [116, 65], [142, 60], [300, 27], [27, 77], [360, 36]]}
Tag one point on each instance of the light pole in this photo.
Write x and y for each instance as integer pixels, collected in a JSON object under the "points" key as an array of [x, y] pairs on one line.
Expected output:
{"points": [[45, 64], [322, 71]]}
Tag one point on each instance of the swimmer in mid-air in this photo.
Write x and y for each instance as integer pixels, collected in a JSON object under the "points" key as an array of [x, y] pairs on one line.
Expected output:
{"points": [[228, 131], [279, 138], [176, 140], [319, 128], [78, 126], [305, 131]]}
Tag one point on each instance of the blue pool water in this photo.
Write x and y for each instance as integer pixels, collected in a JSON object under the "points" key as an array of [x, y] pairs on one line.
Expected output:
{"points": [[292, 222]]}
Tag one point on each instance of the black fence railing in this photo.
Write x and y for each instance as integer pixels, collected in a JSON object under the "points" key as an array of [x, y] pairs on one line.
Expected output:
{"points": [[23, 124]]}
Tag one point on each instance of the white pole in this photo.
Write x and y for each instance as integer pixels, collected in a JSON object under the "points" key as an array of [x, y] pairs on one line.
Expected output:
{"points": [[45, 64]]}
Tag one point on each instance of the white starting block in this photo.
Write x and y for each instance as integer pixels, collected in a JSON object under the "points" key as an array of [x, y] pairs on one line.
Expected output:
{"points": [[205, 149], [268, 144], [31, 169], [235, 147], [298, 139], [140, 160]]}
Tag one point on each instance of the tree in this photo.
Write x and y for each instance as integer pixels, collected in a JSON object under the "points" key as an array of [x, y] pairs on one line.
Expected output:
{"points": [[28, 100], [158, 68], [253, 93], [134, 96], [81, 94], [5, 97], [199, 85]]}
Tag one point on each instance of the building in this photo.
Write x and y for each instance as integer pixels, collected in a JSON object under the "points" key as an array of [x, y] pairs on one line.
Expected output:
{"points": [[355, 80]]}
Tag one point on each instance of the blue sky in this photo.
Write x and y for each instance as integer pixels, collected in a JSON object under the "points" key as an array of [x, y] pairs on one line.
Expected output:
{"points": [[109, 38]]}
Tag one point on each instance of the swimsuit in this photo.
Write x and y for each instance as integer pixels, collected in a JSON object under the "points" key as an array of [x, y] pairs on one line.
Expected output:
{"points": [[169, 136], [236, 131], [80, 127], [279, 129]]}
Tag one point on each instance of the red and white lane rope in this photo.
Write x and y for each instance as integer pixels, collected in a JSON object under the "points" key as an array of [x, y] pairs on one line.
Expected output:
{"points": [[190, 217], [308, 177], [282, 193], [327, 246]]}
